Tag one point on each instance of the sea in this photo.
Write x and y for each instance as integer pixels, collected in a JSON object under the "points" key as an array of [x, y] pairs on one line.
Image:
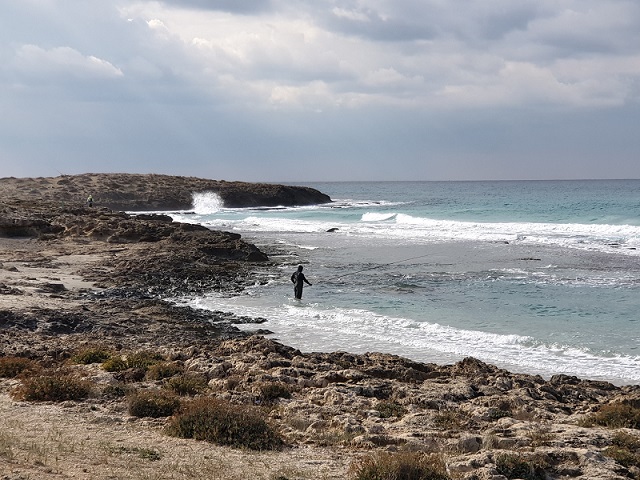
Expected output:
{"points": [[538, 277]]}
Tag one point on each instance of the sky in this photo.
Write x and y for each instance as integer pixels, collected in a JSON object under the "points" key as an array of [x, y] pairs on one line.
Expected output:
{"points": [[321, 90]]}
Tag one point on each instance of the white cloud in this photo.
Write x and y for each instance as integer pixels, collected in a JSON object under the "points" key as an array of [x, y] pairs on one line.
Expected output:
{"points": [[33, 60]]}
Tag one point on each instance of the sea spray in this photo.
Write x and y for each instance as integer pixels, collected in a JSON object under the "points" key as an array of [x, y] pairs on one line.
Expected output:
{"points": [[205, 203]]}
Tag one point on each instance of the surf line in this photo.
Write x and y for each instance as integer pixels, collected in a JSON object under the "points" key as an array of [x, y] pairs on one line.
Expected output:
{"points": [[378, 266]]}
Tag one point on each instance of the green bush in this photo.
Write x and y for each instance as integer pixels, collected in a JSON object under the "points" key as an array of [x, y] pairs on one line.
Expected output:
{"points": [[11, 367], [220, 422], [187, 384], [115, 364], [513, 465], [399, 466], [91, 355], [56, 386], [153, 403]]}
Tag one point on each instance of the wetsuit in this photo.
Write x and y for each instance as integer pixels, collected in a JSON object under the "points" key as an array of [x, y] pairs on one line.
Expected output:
{"points": [[298, 280]]}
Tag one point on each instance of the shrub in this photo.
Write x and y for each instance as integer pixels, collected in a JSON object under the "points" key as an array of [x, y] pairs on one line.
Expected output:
{"points": [[116, 390], [271, 391], [115, 364], [163, 370], [623, 456], [56, 386], [399, 466], [540, 436], [390, 409], [622, 439], [153, 403], [513, 465], [143, 359], [187, 384], [11, 367], [450, 419], [625, 449], [616, 415], [225, 424], [91, 355], [140, 360]]}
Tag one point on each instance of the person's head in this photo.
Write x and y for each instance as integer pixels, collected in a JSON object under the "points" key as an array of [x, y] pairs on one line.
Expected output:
{"points": [[299, 268]]}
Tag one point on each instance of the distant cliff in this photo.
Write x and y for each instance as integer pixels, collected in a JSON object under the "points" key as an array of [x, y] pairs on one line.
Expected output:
{"points": [[140, 192]]}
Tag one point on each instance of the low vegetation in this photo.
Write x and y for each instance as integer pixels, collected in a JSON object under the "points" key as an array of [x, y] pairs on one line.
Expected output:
{"points": [[53, 386], [518, 466], [390, 409], [222, 423], [91, 355], [143, 360], [615, 415], [152, 403], [11, 367], [625, 449], [399, 466], [450, 419], [191, 384], [162, 370], [271, 391]]}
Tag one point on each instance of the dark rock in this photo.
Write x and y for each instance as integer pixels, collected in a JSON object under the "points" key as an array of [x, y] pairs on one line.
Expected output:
{"points": [[51, 288]]}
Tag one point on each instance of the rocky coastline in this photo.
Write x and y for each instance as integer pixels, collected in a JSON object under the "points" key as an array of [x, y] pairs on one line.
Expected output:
{"points": [[74, 277]]}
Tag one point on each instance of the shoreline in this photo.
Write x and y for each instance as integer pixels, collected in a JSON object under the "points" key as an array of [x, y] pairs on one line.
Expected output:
{"points": [[98, 279], [343, 341]]}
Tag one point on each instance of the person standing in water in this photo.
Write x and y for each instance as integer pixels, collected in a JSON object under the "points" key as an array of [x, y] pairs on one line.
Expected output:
{"points": [[298, 280]]}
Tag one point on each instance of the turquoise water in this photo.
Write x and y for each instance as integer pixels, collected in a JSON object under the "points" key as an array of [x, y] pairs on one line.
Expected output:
{"points": [[538, 277]]}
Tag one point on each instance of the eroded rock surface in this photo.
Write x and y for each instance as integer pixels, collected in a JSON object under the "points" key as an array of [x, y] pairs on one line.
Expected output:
{"points": [[138, 192]]}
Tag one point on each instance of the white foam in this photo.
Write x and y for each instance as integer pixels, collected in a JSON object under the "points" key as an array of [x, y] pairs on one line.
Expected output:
{"points": [[205, 203], [310, 327], [620, 239], [377, 217]]}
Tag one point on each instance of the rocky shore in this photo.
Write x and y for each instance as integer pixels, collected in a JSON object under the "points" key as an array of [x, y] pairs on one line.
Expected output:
{"points": [[74, 278], [137, 192]]}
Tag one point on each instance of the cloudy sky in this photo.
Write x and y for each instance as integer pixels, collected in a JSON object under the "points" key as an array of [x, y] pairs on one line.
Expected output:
{"points": [[312, 90]]}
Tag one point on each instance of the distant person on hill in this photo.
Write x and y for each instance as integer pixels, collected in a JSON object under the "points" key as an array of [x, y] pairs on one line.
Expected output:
{"points": [[298, 280], [90, 201]]}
